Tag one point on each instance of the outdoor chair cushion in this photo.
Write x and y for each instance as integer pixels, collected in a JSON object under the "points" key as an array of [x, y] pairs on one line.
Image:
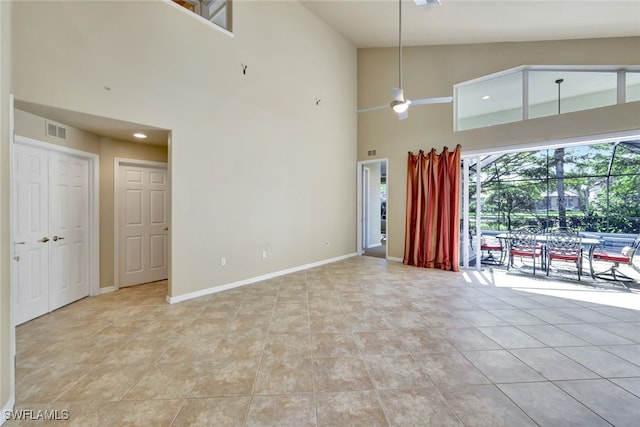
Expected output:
{"points": [[565, 257], [604, 256]]}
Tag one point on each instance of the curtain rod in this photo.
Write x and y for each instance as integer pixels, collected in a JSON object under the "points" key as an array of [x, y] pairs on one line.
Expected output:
{"points": [[433, 149]]}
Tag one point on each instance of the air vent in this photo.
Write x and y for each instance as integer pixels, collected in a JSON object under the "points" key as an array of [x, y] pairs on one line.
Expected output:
{"points": [[55, 130]]}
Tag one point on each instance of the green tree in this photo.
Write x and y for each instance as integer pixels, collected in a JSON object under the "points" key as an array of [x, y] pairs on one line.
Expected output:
{"points": [[513, 198], [609, 190], [511, 184], [620, 205]]}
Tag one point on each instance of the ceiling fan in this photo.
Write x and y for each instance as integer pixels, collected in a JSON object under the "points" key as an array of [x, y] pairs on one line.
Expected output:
{"points": [[400, 104]]}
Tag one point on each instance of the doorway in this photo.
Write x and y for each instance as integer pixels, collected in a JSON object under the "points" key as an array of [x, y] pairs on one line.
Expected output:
{"points": [[141, 218], [372, 208], [54, 227]]}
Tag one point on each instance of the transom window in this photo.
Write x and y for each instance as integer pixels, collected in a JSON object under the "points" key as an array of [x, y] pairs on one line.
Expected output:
{"points": [[530, 92], [217, 12]]}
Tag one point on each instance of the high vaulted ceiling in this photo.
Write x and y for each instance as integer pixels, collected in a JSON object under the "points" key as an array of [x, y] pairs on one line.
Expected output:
{"points": [[374, 23]]}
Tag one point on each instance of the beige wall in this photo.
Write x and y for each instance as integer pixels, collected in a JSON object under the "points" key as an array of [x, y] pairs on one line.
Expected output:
{"points": [[33, 126], [433, 70], [109, 150], [256, 164], [6, 335]]}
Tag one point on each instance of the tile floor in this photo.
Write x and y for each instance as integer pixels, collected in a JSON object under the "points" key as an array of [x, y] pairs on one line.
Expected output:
{"points": [[360, 342]]}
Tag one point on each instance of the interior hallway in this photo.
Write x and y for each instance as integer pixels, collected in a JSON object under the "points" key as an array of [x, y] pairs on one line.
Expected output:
{"points": [[359, 342]]}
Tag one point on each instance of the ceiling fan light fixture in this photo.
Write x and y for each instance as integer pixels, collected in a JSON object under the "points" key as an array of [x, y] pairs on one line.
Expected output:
{"points": [[400, 106]]}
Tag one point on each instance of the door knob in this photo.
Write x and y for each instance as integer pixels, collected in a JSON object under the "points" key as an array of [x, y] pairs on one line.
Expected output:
{"points": [[44, 240], [166, 229], [56, 238]]}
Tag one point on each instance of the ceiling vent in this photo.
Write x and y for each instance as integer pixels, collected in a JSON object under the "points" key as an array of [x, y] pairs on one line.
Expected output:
{"points": [[55, 130]]}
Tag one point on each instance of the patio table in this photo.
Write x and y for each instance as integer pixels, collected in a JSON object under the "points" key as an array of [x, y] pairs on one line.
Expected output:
{"points": [[592, 242]]}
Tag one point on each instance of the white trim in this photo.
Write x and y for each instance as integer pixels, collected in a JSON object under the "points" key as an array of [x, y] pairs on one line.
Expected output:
{"points": [[117, 162], [555, 143], [525, 94], [490, 76], [12, 329], [582, 68], [200, 18], [366, 207], [394, 259], [94, 203], [359, 209], [478, 241], [465, 212], [220, 288], [107, 290], [621, 94], [7, 408], [94, 219]]}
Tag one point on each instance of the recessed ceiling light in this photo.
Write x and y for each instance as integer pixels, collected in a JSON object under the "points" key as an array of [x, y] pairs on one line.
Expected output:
{"points": [[486, 97], [140, 135]]}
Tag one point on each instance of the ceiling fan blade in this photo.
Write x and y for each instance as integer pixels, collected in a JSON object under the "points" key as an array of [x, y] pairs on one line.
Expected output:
{"points": [[404, 115], [438, 100], [364, 110]]}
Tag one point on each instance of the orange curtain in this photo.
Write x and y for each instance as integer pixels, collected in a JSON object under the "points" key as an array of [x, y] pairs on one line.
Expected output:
{"points": [[432, 230]]}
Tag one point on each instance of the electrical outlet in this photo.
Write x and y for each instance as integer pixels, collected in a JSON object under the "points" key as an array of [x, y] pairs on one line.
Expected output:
{"points": [[223, 261], [264, 254]]}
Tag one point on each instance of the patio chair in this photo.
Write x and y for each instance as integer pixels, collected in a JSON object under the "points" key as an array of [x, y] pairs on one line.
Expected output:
{"points": [[625, 257], [564, 245], [523, 244], [491, 245]]}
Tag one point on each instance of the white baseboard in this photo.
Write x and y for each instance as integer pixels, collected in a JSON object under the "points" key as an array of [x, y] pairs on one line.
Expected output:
{"points": [[107, 289], [7, 408], [220, 288], [394, 259]]}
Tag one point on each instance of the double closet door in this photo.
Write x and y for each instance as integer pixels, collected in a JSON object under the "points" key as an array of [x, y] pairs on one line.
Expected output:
{"points": [[50, 230]]}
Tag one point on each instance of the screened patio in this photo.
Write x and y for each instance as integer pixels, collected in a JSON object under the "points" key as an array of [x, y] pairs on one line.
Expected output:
{"points": [[592, 189]]}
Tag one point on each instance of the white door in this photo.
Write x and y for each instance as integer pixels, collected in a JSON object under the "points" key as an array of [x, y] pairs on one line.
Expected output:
{"points": [[31, 232], [68, 226], [51, 211], [142, 222]]}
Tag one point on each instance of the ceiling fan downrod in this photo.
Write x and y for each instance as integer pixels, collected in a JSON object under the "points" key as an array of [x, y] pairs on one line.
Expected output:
{"points": [[400, 44], [399, 104]]}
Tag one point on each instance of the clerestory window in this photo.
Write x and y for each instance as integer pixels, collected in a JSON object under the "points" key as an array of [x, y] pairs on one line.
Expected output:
{"points": [[530, 92], [217, 12]]}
